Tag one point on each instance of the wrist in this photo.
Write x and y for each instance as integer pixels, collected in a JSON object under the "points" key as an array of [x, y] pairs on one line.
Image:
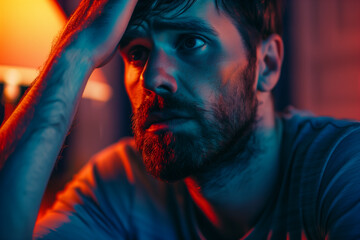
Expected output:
{"points": [[77, 53]]}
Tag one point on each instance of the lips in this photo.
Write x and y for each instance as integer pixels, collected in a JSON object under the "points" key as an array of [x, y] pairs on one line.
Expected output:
{"points": [[164, 118]]}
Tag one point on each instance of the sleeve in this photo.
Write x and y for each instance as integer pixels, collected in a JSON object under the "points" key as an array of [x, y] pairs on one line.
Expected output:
{"points": [[340, 201], [95, 204]]}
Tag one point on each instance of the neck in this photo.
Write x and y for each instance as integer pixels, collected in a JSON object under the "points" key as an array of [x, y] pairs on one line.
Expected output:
{"points": [[234, 194]]}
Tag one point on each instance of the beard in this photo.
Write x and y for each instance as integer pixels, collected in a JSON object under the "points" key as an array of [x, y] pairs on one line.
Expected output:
{"points": [[225, 131]]}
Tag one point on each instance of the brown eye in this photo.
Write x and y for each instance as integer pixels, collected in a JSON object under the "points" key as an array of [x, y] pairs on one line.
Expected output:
{"points": [[191, 43], [138, 55]]}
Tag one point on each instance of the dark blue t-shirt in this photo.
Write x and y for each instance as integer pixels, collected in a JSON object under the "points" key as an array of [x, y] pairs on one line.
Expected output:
{"points": [[318, 196]]}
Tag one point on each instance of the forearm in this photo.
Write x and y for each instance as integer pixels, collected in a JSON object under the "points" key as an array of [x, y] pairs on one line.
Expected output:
{"points": [[32, 137]]}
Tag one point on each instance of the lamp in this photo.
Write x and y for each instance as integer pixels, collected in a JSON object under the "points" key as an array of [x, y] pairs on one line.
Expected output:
{"points": [[27, 29]]}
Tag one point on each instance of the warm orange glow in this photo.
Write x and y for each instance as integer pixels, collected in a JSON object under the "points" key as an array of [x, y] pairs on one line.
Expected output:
{"points": [[27, 29], [11, 88], [97, 90], [14, 75]]}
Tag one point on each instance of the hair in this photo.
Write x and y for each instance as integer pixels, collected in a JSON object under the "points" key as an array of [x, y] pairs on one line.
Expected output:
{"points": [[255, 19]]}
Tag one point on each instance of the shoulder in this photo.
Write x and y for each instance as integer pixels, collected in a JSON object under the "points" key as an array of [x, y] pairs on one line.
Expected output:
{"points": [[112, 197], [97, 203], [313, 146], [151, 206], [339, 189], [120, 159], [323, 157], [306, 133], [122, 165], [114, 168], [309, 142]]}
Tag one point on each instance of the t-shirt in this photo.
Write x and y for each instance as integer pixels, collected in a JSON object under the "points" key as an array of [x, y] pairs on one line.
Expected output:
{"points": [[318, 196]]}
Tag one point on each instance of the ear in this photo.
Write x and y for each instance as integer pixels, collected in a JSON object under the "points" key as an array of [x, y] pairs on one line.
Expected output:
{"points": [[270, 56]]}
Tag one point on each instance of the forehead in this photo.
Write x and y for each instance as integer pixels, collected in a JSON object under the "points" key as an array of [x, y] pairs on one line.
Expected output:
{"points": [[167, 9], [196, 13]]}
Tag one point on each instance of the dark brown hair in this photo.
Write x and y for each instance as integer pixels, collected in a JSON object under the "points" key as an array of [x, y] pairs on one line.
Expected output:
{"points": [[255, 19]]}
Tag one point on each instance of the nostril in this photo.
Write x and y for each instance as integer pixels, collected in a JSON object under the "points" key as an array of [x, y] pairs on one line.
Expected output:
{"points": [[165, 90], [160, 82], [158, 73]]}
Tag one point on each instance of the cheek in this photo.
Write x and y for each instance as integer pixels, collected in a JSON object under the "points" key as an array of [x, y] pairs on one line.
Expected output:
{"points": [[201, 88], [133, 86]]}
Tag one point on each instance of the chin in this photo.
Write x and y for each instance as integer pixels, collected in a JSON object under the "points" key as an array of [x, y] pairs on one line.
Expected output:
{"points": [[170, 157]]}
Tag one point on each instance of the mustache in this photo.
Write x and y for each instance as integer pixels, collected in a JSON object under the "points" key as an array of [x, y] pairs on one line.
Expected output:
{"points": [[155, 103]]}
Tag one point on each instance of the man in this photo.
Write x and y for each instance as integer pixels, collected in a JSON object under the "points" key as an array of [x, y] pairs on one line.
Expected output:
{"points": [[199, 75]]}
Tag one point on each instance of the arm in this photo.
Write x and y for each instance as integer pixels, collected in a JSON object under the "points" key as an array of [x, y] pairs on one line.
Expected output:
{"points": [[32, 137]]}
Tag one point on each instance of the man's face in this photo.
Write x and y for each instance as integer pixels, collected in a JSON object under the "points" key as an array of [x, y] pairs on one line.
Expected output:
{"points": [[191, 84]]}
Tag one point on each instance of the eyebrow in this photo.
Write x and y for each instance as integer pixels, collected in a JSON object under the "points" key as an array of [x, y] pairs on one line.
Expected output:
{"points": [[129, 36], [183, 24]]}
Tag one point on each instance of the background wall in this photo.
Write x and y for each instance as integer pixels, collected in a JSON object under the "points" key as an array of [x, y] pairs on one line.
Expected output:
{"points": [[325, 47]]}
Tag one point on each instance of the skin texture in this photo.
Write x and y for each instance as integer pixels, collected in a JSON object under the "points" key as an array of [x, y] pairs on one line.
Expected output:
{"points": [[168, 77], [203, 111]]}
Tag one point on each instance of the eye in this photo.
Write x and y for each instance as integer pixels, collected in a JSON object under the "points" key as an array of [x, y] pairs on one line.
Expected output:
{"points": [[138, 55], [191, 43]]}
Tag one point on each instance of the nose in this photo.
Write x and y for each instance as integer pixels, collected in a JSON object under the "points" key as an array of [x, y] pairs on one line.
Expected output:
{"points": [[158, 74]]}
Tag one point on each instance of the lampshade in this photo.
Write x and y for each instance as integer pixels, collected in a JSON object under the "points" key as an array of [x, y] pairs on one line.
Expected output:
{"points": [[27, 31]]}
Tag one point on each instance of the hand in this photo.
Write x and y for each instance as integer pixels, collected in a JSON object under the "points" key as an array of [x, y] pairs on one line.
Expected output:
{"points": [[97, 27]]}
